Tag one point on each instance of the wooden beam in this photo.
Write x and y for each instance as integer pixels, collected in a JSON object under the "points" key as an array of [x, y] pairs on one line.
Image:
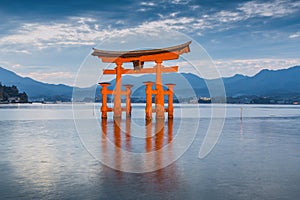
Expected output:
{"points": [[144, 58], [142, 71], [109, 71], [182, 48]]}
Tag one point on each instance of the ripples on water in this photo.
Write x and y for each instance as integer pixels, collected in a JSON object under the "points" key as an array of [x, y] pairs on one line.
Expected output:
{"points": [[257, 157]]}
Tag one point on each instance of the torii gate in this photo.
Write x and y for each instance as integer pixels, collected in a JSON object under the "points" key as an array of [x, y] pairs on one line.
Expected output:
{"points": [[138, 58]]}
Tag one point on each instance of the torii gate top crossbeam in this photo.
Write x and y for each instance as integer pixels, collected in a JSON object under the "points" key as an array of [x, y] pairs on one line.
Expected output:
{"points": [[169, 53]]}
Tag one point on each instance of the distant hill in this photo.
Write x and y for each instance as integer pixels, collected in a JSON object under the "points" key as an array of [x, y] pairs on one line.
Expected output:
{"points": [[266, 83], [285, 82], [35, 89]]}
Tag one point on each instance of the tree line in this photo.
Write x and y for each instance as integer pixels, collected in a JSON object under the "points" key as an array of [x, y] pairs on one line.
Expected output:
{"points": [[11, 94]]}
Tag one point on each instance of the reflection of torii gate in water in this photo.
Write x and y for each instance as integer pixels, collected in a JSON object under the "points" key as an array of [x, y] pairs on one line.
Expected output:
{"points": [[138, 58]]}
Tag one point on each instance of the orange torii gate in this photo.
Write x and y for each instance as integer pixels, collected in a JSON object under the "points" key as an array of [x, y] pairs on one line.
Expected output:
{"points": [[138, 58]]}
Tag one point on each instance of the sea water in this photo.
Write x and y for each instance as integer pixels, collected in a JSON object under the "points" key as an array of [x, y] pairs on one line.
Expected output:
{"points": [[44, 154]]}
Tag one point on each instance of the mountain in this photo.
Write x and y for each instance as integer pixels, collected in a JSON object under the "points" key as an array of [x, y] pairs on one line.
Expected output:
{"points": [[35, 89], [284, 82], [266, 83]]}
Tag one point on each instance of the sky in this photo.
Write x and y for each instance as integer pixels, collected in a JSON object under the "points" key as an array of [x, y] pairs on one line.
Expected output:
{"points": [[49, 40]]}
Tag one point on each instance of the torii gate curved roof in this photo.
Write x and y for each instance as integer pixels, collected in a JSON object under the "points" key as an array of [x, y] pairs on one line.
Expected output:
{"points": [[168, 53]]}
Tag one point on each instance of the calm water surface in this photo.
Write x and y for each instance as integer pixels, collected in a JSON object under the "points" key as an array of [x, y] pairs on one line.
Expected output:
{"points": [[42, 156]]}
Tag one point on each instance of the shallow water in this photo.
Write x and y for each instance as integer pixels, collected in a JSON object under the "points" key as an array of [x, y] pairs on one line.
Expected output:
{"points": [[43, 155]]}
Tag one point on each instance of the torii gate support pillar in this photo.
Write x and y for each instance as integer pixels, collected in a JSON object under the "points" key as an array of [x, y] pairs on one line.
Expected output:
{"points": [[104, 92], [170, 93], [128, 101]]}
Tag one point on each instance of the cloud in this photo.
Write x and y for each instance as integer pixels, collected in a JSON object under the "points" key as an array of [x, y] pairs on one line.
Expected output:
{"points": [[82, 32], [194, 7], [180, 2], [228, 16], [4, 63], [181, 23], [252, 9], [44, 73], [295, 35], [77, 31], [51, 77], [226, 19], [277, 8], [174, 14], [147, 3], [87, 31], [15, 51]]}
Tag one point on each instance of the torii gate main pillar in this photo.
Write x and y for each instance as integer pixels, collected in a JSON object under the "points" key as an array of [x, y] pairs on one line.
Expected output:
{"points": [[117, 92], [159, 98]]}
